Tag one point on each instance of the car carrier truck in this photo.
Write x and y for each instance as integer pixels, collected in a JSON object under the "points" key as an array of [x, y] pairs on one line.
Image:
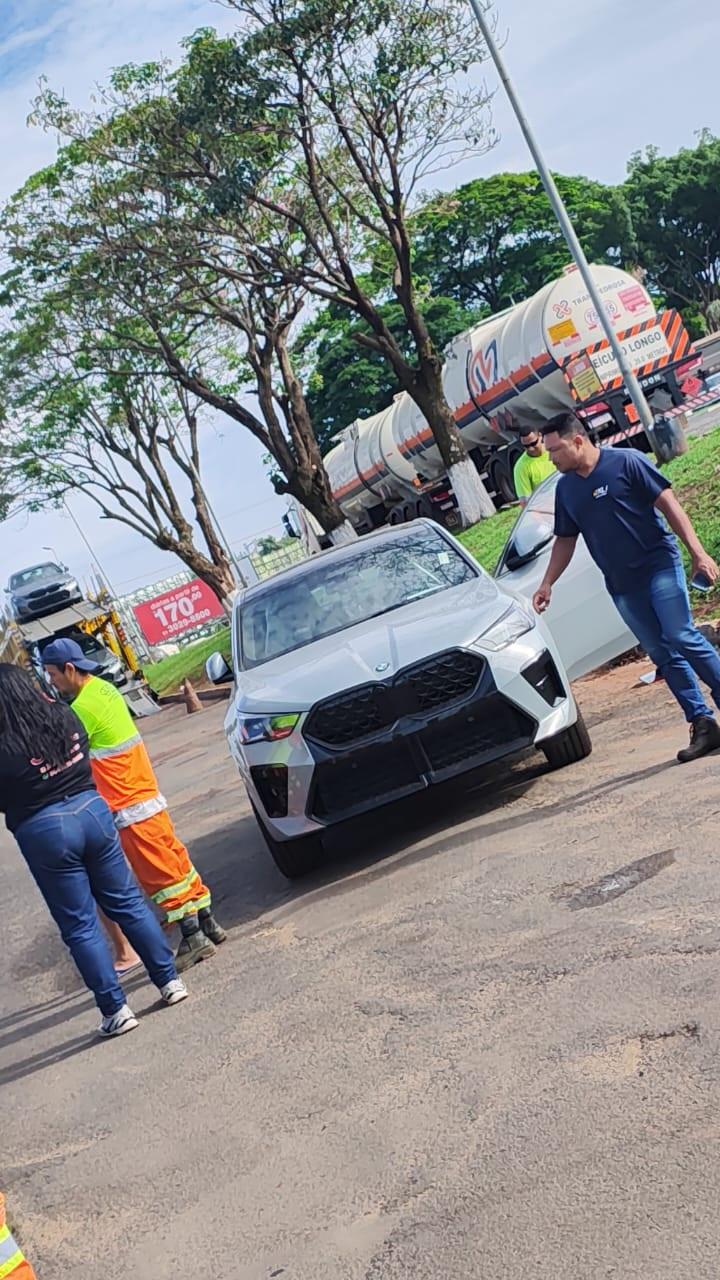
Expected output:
{"points": [[99, 632]]}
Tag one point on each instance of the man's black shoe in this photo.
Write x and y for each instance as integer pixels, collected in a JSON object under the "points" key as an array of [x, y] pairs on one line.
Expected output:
{"points": [[704, 738], [210, 926]]}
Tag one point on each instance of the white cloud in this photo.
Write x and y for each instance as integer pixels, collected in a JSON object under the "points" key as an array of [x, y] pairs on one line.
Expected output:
{"points": [[31, 35]]}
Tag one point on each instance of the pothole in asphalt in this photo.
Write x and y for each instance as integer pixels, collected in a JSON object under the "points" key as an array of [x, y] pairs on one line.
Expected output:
{"points": [[617, 882]]}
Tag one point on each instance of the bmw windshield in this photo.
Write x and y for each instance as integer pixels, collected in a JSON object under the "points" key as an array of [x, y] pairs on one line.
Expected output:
{"points": [[334, 593]]}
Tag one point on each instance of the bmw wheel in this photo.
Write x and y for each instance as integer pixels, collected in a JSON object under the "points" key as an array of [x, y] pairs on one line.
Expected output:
{"points": [[296, 857], [568, 747]]}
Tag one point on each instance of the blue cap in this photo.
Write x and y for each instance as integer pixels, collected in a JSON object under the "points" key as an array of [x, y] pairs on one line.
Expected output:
{"points": [[59, 652]]}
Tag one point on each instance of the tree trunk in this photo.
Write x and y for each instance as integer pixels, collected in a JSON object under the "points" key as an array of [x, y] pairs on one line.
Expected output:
{"points": [[312, 491], [474, 501], [219, 577], [342, 534], [310, 482], [423, 382], [218, 554]]}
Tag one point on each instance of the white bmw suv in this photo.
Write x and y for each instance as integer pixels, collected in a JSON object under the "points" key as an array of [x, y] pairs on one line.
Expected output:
{"points": [[377, 669]]}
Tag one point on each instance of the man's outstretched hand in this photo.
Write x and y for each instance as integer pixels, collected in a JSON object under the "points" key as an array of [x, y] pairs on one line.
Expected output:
{"points": [[705, 565], [542, 597]]}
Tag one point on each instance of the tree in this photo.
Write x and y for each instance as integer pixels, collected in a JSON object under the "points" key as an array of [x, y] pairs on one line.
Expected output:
{"points": [[346, 380], [126, 441], [268, 545], [495, 241], [370, 103], [101, 232], [675, 207]]}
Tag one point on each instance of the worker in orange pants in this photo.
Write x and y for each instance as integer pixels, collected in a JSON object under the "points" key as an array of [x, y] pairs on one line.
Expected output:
{"points": [[125, 779], [13, 1263], [153, 850]]}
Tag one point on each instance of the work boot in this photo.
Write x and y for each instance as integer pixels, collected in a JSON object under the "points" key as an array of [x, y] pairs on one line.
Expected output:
{"points": [[194, 946], [210, 926], [704, 738]]}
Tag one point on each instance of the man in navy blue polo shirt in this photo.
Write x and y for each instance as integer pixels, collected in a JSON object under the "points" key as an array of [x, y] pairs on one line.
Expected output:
{"points": [[616, 499]]}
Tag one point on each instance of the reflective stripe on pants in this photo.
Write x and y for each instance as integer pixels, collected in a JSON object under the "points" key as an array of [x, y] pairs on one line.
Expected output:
{"points": [[12, 1259], [162, 865]]}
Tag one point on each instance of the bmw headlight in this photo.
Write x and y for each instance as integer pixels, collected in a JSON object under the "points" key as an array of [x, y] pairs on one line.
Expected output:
{"points": [[513, 624], [269, 728]]}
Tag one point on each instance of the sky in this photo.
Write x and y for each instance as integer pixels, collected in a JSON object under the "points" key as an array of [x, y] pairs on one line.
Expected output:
{"points": [[597, 81]]}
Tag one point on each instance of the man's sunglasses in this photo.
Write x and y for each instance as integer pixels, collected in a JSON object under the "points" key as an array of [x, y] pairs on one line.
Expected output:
{"points": [[530, 444]]}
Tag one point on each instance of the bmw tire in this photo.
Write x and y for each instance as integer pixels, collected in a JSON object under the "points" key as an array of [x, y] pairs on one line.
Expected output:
{"points": [[569, 747], [296, 857]]}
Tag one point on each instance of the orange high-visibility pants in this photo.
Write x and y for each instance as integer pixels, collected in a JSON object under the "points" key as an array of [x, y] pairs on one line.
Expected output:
{"points": [[13, 1263], [162, 865]]}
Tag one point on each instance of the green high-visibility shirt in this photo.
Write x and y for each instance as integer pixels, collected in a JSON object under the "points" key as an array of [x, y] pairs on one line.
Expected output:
{"points": [[529, 472]]}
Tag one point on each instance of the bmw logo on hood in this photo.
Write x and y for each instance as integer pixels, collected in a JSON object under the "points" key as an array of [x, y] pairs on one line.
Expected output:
{"points": [[382, 666]]}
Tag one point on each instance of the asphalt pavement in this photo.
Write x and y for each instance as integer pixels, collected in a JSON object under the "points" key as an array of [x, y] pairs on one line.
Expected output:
{"points": [[484, 1042]]}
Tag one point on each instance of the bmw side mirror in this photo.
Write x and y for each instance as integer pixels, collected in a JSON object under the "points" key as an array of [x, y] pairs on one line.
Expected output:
{"points": [[528, 543], [217, 670]]}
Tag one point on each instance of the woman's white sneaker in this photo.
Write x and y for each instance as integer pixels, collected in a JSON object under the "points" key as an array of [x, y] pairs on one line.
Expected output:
{"points": [[174, 991], [116, 1024]]}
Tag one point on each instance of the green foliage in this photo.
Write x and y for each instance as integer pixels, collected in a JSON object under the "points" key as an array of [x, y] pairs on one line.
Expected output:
{"points": [[188, 664], [495, 241], [486, 540], [267, 545], [696, 480], [675, 206]]}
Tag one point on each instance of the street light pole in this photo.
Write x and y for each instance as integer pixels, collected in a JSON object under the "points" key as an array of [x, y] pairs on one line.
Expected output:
{"points": [[93, 556], [635, 391]]}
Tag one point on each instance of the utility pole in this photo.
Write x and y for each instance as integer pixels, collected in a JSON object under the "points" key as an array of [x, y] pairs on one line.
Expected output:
{"points": [[634, 389]]}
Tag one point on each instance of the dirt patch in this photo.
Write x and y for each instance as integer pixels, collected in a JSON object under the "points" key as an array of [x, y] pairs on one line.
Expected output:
{"points": [[623, 1059]]}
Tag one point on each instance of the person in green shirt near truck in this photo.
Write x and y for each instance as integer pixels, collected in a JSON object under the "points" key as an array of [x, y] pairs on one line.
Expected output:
{"points": [[533, 466]]}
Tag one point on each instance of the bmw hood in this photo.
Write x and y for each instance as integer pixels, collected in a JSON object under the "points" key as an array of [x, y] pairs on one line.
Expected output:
{"points": [[373, 650]]}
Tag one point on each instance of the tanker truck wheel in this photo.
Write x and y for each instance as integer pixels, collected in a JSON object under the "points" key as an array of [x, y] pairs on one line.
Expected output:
{"points": [[501, 478]]}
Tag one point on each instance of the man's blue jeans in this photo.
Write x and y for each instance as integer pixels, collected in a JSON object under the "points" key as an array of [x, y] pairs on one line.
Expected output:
{"points": [[658, 612], [74, 854]]}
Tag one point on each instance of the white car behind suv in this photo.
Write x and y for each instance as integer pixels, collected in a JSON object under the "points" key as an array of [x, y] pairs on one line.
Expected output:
{"points": [[376, 669], [587, 628]]}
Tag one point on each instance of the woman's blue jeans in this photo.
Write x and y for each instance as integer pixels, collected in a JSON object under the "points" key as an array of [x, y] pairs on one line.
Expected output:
{"points": [[74, 854]]}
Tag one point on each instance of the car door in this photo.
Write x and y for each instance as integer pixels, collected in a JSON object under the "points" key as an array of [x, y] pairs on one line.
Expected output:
{"points": [[585, 624]]}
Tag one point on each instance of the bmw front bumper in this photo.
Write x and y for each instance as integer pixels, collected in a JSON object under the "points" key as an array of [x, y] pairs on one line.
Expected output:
{"points": [[376, 743]]}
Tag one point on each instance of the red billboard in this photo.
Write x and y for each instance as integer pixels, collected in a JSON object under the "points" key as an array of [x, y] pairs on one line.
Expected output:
{"points": [[175, 612]]}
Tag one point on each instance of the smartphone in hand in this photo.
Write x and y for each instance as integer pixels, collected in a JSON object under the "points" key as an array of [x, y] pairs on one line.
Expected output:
{"points": [[701, 582]]}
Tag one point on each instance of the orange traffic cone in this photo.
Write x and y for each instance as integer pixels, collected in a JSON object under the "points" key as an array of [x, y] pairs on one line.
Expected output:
{"points": [[13, 1263], [192, 702]]}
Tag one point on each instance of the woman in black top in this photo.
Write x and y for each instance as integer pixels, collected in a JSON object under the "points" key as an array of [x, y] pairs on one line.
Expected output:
{"points": [[67, 836]]}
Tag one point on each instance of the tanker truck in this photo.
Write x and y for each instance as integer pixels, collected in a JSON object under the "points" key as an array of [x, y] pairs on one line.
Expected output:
{"points": [[511, 371]]}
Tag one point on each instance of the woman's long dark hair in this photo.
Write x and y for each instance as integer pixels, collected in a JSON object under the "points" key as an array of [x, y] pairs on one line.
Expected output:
{"points": [[31, 725]]}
